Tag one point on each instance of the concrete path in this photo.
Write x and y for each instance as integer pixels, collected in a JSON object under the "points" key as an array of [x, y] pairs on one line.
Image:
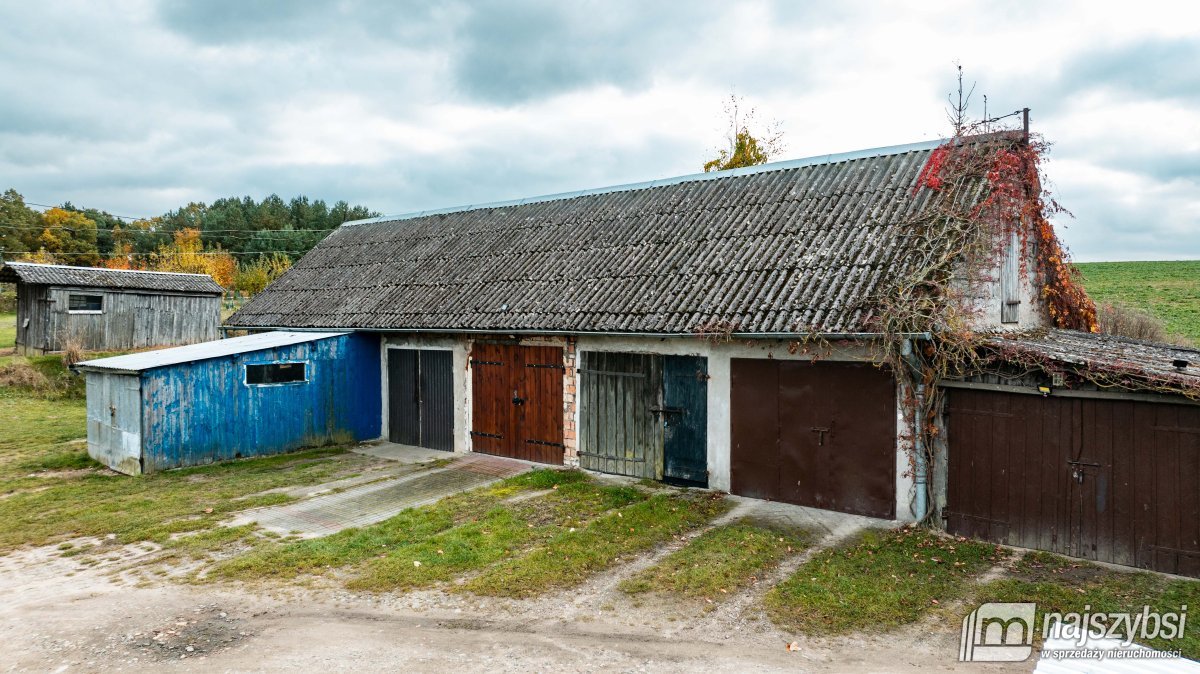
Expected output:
{"points": [[357, 506]]}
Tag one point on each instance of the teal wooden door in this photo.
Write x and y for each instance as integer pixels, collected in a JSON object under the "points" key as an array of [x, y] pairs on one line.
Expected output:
{"points": [[685, 420]]}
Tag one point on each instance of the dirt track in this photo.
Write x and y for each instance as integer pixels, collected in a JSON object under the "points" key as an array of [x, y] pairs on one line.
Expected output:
{"points": [[57, 615]]}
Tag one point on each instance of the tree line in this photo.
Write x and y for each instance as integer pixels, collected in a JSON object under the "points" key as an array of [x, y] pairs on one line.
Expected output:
{"points": [[244, 244]]}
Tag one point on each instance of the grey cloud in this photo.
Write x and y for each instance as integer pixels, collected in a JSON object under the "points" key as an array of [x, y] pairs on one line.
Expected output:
{"points": [[139, 114], [345, 24], [513, 52], [1158, 69]]}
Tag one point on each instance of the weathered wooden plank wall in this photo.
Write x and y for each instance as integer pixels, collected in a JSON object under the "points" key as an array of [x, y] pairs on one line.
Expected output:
{"points": [[129, 320], [31, 318], [620, 432]]}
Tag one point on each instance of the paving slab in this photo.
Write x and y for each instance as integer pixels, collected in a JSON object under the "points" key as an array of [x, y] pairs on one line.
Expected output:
{"points": [[358, 506]]}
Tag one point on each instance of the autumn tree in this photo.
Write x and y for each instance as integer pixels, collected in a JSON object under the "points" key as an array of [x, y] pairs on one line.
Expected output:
{"points": [[747, 143], [186, 254], [66, 237], [252, 277]]}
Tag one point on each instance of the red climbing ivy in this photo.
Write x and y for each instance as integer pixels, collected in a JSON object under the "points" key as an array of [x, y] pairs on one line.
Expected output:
{"points": [[1012, 200], [977, 190]]}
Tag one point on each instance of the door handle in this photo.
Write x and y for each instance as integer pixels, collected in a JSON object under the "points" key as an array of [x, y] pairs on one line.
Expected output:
{"points": [[518, 400], [820, 431]]}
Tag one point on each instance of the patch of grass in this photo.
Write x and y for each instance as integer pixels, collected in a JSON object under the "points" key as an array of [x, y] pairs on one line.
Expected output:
{"points": [[73, 456], [40, 376], [34, 430], [1169, 290], [569, 557], [8, 331], [47, 498], [200, 543], [719, 562], [504, 531], [153, 507], [408, 528], [1061, 585], [883, 580]]}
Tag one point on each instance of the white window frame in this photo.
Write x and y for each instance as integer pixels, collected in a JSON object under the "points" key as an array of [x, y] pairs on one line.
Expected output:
{"points": [[85, 311]]}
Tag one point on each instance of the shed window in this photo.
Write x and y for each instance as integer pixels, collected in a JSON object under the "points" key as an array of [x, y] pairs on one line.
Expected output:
{"points": [[90, 303], [275, 373]]}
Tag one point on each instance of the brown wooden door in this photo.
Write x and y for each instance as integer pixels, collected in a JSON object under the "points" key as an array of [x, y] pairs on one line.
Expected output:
{"points": [[517, 401], [820, 435], [1109, 480]]}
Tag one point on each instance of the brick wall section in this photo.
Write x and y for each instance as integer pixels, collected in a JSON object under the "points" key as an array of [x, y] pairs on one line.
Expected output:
{"points": [[570, 436]]}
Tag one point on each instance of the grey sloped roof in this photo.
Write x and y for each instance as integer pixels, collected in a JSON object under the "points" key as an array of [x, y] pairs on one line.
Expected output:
{"points": [[1130, 363], [95, 277], [791, 247]]}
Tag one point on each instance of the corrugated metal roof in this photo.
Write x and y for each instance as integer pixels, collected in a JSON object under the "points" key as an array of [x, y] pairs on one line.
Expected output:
{"points": [[663, 182], [805, 246], [96, 277], [1150, 362], [148, 360]]}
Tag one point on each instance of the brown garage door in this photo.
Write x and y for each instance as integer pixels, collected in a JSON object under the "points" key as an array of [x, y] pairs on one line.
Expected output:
{"points": [[820, 435], [1108, 480], [517, 401]]}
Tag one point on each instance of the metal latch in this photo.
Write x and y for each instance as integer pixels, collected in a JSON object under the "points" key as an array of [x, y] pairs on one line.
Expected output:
{"points": [[1077, 467]]}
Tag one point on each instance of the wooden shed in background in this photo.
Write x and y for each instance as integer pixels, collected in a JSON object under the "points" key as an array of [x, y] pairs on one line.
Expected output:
{"points": [[110, 309]]}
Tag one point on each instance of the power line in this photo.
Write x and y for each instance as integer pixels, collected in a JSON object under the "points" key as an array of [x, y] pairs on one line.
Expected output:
{"points": [[111, 215], [168, 232]]}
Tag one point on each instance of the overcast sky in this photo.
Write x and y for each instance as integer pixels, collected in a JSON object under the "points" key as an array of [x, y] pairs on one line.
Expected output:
{"points": [[139, 107]]}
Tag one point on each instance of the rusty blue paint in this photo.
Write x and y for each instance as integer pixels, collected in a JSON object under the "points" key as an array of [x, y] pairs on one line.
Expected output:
{"points": [[201, 412]]}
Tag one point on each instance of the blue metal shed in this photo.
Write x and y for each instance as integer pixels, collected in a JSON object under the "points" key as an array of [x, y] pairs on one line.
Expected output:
{"points": [[246, 396]]}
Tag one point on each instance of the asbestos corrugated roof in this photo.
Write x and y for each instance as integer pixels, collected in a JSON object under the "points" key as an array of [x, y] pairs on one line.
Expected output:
{"points": [[117, 279], [148, 360], [802, 246], [1146, 365]]}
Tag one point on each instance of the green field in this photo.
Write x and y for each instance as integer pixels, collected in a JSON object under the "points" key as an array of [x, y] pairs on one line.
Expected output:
{"points": [[1169, 290], [8, 331]]}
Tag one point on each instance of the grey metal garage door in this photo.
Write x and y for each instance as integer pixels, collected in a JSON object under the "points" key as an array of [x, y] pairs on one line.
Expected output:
{"points": [[421, 398]]}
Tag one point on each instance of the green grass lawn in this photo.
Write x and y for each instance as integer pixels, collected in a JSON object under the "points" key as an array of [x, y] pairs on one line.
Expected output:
{"points": [[571, 556], [719, 562], [8, 331], [521, 537], [1062, 585], [882, 580], [50, 490], [1169, 290]]}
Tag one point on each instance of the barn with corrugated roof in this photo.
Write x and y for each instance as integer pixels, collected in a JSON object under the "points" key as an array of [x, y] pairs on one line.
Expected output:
{"points": [[723, 330], [650, 330]]}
